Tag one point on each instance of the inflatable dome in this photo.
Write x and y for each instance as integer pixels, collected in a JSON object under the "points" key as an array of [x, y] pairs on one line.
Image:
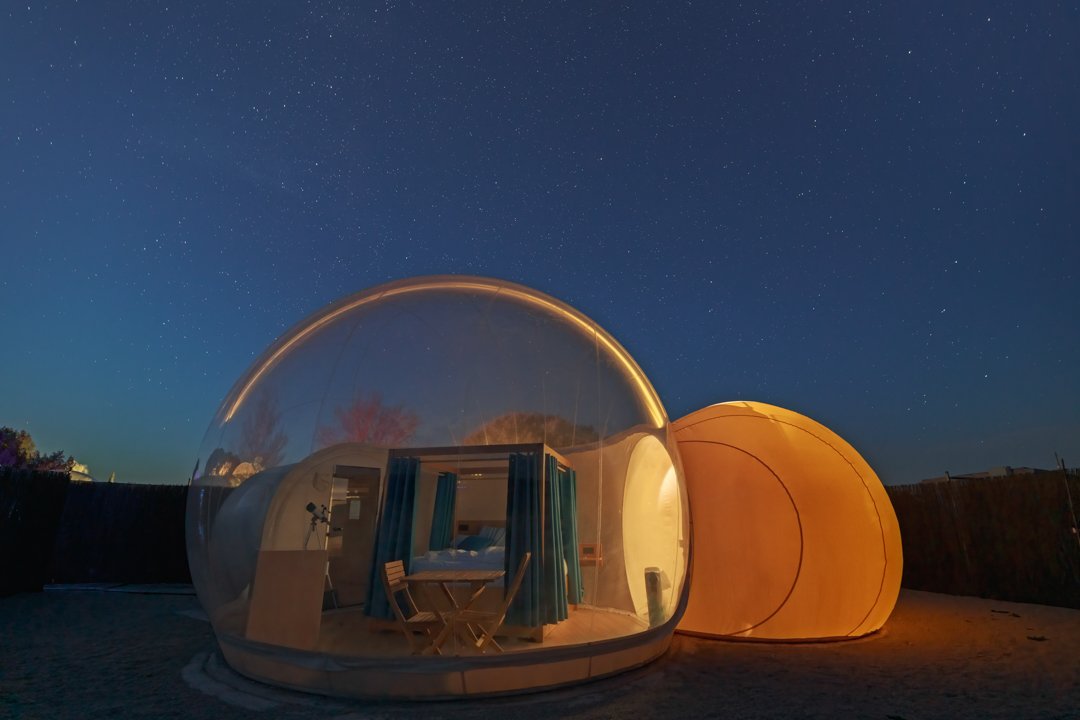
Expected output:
{"points": [[438, 487], [794, 536]]}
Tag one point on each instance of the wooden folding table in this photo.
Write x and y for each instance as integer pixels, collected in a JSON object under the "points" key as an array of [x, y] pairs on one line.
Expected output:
{"points": [[477, 580]]}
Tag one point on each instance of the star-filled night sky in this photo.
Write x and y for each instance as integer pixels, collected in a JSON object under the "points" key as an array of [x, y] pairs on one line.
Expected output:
{"points": [[865, 212]]}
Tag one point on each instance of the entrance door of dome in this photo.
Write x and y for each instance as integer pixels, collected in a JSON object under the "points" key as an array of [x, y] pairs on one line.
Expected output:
{"points": [[354, 511]]}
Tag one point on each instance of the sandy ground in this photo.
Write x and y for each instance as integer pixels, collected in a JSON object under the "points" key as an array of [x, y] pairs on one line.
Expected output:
{"points": [[98, 654]]}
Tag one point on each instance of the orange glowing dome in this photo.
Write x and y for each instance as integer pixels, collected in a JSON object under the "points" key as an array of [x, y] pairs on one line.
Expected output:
{"points": [[794, 537]]}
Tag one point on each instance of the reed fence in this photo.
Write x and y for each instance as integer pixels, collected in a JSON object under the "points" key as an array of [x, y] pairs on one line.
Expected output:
{"points": [[1007, 538]]}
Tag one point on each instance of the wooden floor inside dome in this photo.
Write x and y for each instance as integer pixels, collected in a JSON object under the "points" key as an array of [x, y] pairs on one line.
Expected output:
{"points": [[349, 632]]}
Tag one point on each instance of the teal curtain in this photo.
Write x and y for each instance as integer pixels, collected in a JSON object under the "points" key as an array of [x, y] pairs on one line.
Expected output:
{"points": [[567, 488], [550, 534], [523, 534], [394, 540], [554, 596], [442, 517]]}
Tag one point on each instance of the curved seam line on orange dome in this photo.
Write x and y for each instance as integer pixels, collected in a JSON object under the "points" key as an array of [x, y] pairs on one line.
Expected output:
{"points": [[798, 519], [636, 375], [877, 513]]}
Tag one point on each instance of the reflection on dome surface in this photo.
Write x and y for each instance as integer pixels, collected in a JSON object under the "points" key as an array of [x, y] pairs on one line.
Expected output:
{"points": [[457, 477]]}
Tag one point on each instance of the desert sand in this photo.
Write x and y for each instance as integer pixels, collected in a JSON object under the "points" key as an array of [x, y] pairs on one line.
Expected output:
{"points": [[109, 654]]}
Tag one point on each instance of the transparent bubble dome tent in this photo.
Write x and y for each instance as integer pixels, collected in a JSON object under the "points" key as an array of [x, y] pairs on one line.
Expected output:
{"points": [[438, 487]]}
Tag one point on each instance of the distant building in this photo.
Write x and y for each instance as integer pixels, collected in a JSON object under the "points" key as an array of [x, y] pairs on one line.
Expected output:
{"points": [[80, 472]]}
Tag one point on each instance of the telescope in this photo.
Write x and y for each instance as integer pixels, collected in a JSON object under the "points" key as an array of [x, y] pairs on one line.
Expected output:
{"points": [[318, 515]]}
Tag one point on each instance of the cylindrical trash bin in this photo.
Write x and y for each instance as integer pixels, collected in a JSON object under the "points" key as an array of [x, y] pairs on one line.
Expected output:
{"points": [[654, 591]]}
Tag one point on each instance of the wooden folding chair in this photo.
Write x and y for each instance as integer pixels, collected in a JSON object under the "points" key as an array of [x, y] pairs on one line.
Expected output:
{"points": [[423, 621], [488, 623]]}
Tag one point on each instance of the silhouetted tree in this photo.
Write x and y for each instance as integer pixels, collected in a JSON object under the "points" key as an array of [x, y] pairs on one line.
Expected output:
{"points": [[56, 462], [368, 420], [17, 449], [524, 427], [261, 442], [16, 446]]}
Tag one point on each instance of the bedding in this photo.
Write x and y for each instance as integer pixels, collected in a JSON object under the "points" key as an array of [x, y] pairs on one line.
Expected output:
{"points": [[474, 542], [497, 535], [489, 558]]}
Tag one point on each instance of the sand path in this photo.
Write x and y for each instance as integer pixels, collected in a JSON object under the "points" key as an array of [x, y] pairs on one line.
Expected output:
{"points": [[95, 654]]}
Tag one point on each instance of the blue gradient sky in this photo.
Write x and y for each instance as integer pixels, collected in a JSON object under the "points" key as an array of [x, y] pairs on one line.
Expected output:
{"points": [[864, 212]]}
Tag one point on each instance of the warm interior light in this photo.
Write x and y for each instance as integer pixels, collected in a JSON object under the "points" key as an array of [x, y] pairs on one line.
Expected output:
{"points": [[652, 506]]}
